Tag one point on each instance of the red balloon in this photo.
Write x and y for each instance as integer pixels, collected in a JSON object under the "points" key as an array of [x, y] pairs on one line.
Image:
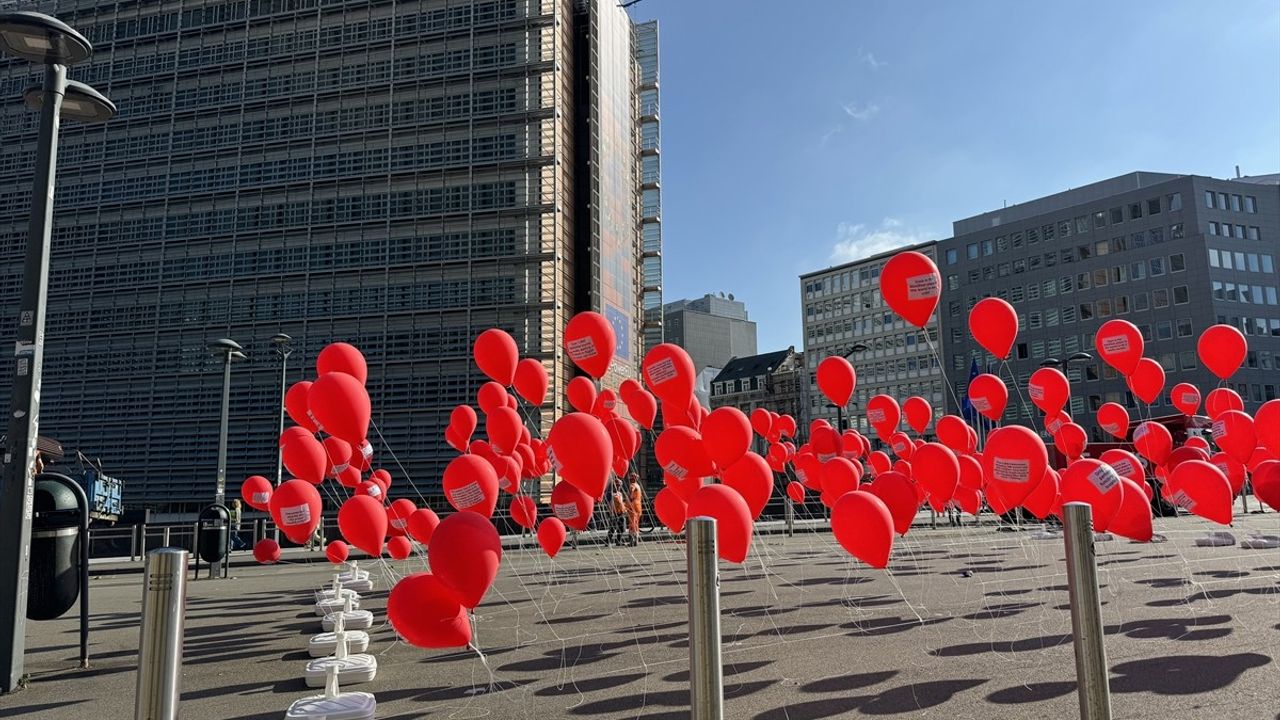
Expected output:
{"points": [[726, 434], [1221, 400], [883, 414], [491, 396], [919, 413], [795, 491], [503, 426], [1126, 464], [1201, 489], [337, 455], [1197, 442], [988, 395], [572, 505], [582, 452], [1183, 454], [337, 552], [670, 508], [836, 379], [350, 477], [1013, 461], [399, 547], [901, 445], [879, 462], [427, 614], [422, 524], [1153, 442], [590, 342], [256, 492], [643, 408], [1120, 345], [303, 456], [581, 393], [1233, 432], [551, 534], [1266, 484], [761, 422], [669, 372], [864, 527], [751, 477], [1044, 498], [343, 358], [785, 426], [839, 476], [1222, 348], [900, 496], [363, 522], [625, 438], [295, 507], [496, 355], [295, 403], [1096, 483], [1186, 398], [684, 487], [1071, 440], [605, 404], [470, 483], [1266, 422], [462, 423], [340, 406], [1147, 380], [935, 468], [531, 381], [732, 516], [266, 551], [1114, 420], [398, 514], [911, 285], [362, 458], [969, 499], [1132, 519], [994, 324], [680, 451], [1233, 469], [464, 553], [954, 433], [1049, 389], [970, 472]]}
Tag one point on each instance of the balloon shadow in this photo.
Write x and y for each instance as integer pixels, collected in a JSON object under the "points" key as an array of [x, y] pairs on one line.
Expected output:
{"points": [[1035, 692], [1183, 674]]}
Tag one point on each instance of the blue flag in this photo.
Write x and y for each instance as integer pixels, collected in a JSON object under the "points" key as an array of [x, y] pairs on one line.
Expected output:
{"points": [[966, 407]]}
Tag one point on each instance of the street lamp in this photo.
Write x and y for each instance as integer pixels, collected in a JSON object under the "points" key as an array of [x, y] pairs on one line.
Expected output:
{"points": [[230, 350], [42, 40], [1075, 358], [284, 348]]}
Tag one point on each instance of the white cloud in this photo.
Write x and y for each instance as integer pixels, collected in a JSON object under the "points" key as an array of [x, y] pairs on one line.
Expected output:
{"points": [[870, 59], [862, 114], [855, 241], [831, 133]]}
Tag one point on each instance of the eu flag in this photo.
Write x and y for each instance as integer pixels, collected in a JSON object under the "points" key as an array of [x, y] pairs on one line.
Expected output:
{"points": [[966, 407]]}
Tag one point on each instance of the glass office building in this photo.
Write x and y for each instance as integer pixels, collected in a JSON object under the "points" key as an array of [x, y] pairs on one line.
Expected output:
{"points": [[399, 176]]}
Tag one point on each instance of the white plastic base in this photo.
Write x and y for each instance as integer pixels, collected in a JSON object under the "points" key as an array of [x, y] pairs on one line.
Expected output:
{"points": [[352, 669], [360, 586], [1261, 542], [350, 575], [325, 643], [333, 605], [1217, 538], [1103, 537], [327, 594], [354, 620], [345, 706], [1045, 535]]}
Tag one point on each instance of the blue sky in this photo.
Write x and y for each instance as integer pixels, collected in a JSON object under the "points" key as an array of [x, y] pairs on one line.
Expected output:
{"points": [[799, 134]]}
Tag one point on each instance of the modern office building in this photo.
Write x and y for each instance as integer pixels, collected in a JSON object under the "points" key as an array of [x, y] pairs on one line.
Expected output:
{"points": [[844, 314], [713, 329], [398, 176], [1172, 254], [646, 39], [774, 381]]}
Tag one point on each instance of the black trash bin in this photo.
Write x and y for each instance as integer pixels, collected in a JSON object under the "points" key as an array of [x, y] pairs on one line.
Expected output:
{"points": [[56, 525], [212, 536]]}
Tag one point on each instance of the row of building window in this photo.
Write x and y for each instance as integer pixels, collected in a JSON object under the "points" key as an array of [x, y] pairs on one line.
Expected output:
{"points": [[1250, 232], [1247, 262], [1247, 294], [1233, 202], [842, 281]]}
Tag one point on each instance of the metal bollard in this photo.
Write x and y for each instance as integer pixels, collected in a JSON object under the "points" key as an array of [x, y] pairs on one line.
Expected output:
{"points": [[165, 537], [1086, 612], [790, 514], [706, 674], [133, 542], [164, 606]]}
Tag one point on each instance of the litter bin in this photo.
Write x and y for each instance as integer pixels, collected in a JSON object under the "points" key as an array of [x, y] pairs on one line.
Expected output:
{"points": [[59, 567], [212, 537]]}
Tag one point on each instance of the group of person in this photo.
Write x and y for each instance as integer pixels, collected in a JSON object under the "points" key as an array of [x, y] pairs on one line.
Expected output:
{"points": [[627, 508]]}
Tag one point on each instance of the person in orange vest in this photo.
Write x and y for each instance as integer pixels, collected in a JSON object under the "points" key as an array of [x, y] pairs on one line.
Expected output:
{"points": [[617, 523], [636, 506]]}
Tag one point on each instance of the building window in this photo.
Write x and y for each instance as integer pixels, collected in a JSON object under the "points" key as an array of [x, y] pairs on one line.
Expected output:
{"points": [[1099, 219], [971, 251], [1086, 311], [1157, 266], [1239, 231], [1164, 330], [1185, 328], [988, 247], [1117, 216], [1213, 228], [1175, 201], [1254, 233], [1235, 203], [1213, 258], [1157, 235], [1181, 296], [1208, 198], [1175, 231], [1222, 201], [951, 256], [1141, 303], [1153, 206], [1250, 204], [1135, 210], [1177, 263], [1160, 298]]}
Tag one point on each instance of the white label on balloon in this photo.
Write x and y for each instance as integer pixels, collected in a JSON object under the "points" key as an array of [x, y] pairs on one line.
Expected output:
{"points": [[677, 470], [1054, 426], [366, 450], [980, 403], [565, 511], [1124, 467], [504, 482], [583, 348], [466, 496], [1190, 398], [555, 462], [662, 371], [338, 469], [1141, 432], [875, 416], [1224, 466], [920, 287], [296, 515], [610, 404], [1182, 500], [1036, 391], [1219, 429], [1014, 470], [1115, 344], [1111, 428], [826, 457], [399, 524], [801, 476], [375, 491], [261, 498], [1104, 478]]}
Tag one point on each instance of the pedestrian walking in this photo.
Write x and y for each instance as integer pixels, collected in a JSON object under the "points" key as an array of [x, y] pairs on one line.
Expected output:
{"points": [[636, 506], [237, 542], [618, 521]]}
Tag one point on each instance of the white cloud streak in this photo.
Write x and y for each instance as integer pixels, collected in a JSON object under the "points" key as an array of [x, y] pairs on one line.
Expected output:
{"points": [[855, 241], [861, 114], [869, 59]]}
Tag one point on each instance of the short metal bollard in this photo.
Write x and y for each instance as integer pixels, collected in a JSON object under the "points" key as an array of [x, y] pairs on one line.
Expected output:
{"points": [[706, 673], [165, 537], [133, 542], [1086, 612], [790, 514], [164, 607]]}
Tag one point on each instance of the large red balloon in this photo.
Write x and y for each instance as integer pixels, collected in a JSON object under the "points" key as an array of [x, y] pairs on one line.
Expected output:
{"points": [[1120, 345], [726, 434], [530, 381], [864, 527], [572, 505], [1153, 442], [643, 408], [669, 372], [344, 358], [1266, 484], [954, 433], [256, 492], [1126, 464], [1266, 422], [496, 355], [1133, 518], [1222, 348], [398, 514], [670, 508], [836, 379], [1186, 398], [839, 476], [590, 342], [422, 524], [1220, 400], [363, 522], [340, 406], [295, 403], [935, 468], [1071, 440], [470, 483], [1013, 461], [551, 535], [1233, 431], [303, 456], [901, 445], [462, 422], [795, 491], [732, 516], [1114, 420], [919, 413], [899, 495], [336, 552], [680, 451], [427, 614], [582, 452], [1096, 483], [911, 285], [968, 499], [988, 395], [1233, 469], [503, 427], [266, 551], [464, 553], [399, 547], [883, 413], [581, 393], [1200, 488], [1147, 380], [1049, 389], [751, 477], [491, 396], [970, 472], [295, 507], [761, 422], [1044, 498], [994, 324], [337, 455], [878, 461]]}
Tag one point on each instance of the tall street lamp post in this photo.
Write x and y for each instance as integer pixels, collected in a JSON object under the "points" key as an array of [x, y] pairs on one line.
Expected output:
{"points": [[230, 350], [45, 41], [284, 348]]}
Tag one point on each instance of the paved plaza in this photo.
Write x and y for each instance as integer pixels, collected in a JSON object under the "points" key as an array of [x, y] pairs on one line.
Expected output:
{"points": [[969, 623]]}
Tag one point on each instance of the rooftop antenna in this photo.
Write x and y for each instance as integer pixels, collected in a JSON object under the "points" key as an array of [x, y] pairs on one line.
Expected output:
{"points": [[1237, 172]]}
